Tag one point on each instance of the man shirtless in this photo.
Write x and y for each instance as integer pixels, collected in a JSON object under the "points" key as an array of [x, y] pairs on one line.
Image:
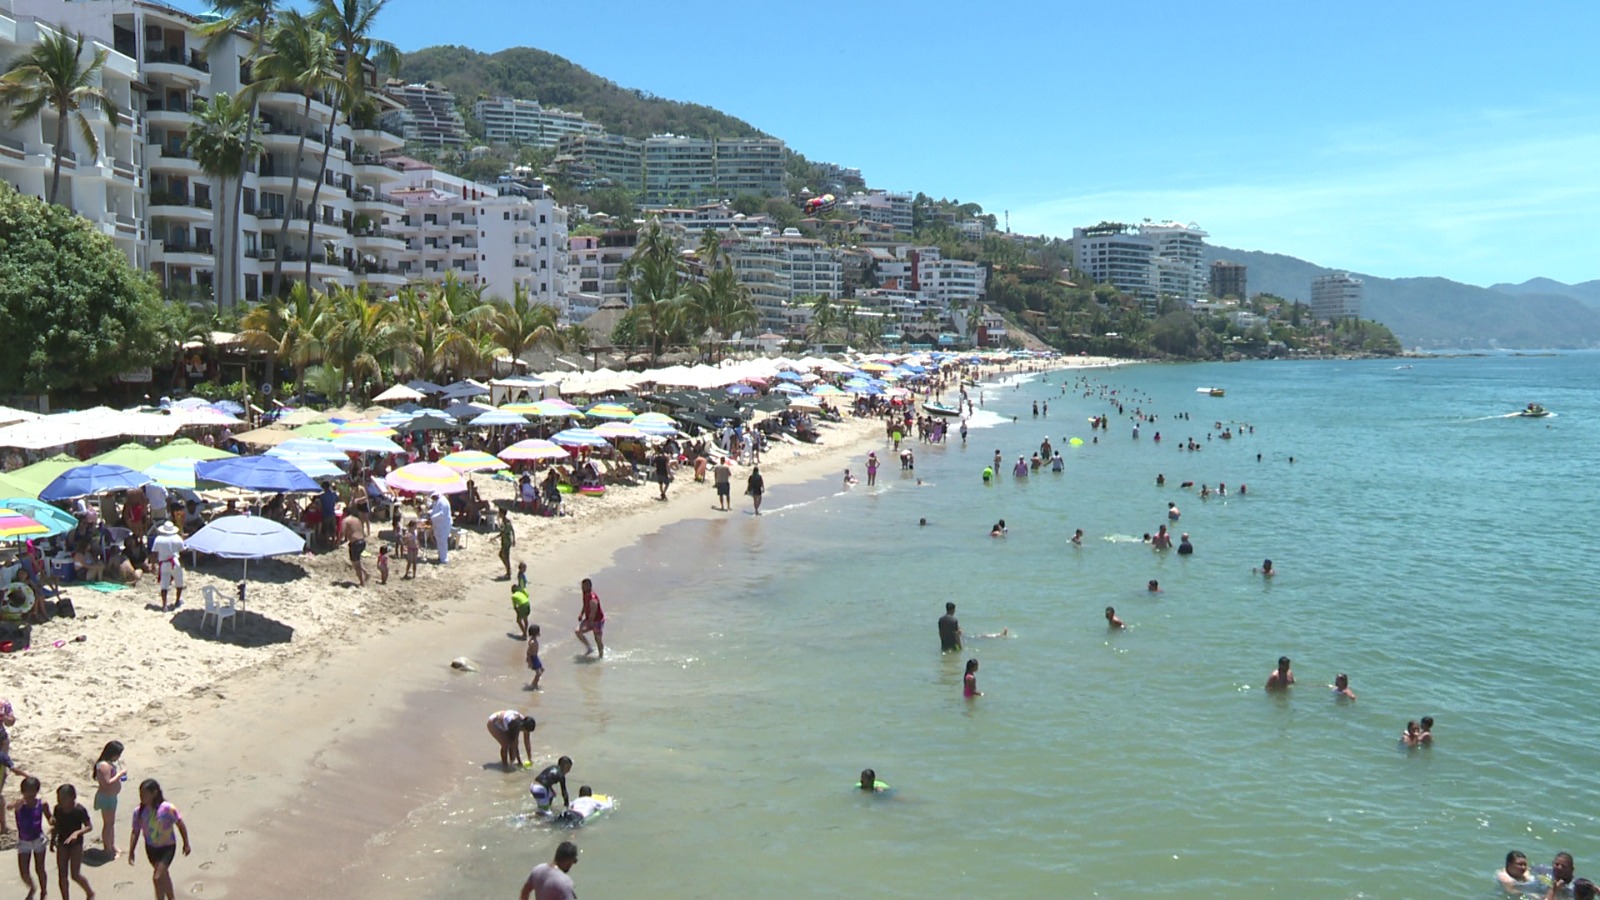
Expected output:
{"points": [[1281, 677], [353, 531]]}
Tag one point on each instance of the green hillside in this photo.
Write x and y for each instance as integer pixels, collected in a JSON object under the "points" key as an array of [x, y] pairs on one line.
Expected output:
{"points": [[1436, 312], [553, 81]]}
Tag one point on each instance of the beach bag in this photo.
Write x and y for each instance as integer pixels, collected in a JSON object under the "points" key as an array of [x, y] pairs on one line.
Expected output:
{"points": [[65, 609]]}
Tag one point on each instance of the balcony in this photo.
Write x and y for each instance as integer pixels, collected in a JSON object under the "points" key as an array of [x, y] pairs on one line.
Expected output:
{"points": [[173, 205], [376, 239], [176, 62], [12, 148], [182, 252], [371, 168], [170, 159], [169, 113]]}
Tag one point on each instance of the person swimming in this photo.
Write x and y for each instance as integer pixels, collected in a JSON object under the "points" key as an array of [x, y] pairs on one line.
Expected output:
{"points": [[1153, 587], [1341, 687], [1111, 618], [869, 782], [1266, 569]]}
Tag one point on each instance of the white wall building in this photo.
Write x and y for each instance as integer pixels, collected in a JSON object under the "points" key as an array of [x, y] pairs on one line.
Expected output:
{"points": [[884, 208], [108, 189], [427, 115], [947, 282], [1180, 260], [507, 120], [782, 268], [594, 267], [1336, 296], [500, 242]]}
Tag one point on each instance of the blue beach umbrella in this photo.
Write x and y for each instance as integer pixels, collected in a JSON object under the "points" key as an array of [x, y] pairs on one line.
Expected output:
{"points": [[255, 473], [308, 447], [788, 376], [740, 390], [788, 388], [315, 466], [367, 443], [84, 481]]}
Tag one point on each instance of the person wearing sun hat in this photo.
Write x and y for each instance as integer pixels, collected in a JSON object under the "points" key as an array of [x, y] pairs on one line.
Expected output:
{"points": [[168, 549]]}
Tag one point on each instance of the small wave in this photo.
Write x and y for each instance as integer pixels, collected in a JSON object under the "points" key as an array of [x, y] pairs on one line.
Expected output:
{"points": [[984, 418], [1122, 539]]}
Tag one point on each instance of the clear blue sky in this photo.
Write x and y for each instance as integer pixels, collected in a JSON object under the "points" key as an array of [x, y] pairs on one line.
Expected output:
{"points": [[1396, 138]]}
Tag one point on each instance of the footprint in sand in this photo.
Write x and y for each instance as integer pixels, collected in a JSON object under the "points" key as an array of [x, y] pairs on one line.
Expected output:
{"points": [[206, 865]]}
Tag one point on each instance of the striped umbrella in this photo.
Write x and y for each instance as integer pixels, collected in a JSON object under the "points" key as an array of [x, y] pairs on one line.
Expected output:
{"points": [[609, 411], [426, 478], [555, 409], [366, 443], [472, 461], [531, 449], [659, 424], [55, 520], [826, 390], [578, 437], [498, 417], [315, 430], [316, 466], [361, 426], [173, 473], [620, 430], [527, 408], [16, 526], [307, 447]]}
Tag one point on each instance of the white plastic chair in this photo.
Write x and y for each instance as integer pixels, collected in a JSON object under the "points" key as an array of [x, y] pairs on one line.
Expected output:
{"points": [[216, 610]]}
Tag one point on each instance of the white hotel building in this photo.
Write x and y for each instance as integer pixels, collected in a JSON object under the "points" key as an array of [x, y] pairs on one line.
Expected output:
{"points": [[507, 120], [152, 197]]}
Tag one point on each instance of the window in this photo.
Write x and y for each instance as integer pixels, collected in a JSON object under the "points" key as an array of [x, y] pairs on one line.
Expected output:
{"points": [[505, 216]]}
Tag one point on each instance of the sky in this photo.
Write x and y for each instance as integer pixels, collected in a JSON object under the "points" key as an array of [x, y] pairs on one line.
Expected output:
{"points": [[1395, 139]]}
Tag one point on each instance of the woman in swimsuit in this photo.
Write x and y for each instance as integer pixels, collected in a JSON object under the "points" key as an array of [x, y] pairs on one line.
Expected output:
{"points": [[969, 681], [159, 823]]}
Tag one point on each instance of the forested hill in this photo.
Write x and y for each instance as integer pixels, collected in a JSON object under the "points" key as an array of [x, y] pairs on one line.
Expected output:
{"points": [[531, 74], [1436, 312]]}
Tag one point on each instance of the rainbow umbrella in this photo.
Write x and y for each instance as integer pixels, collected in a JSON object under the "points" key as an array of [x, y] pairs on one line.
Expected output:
{"points": [[658, 424], [620, 430], [318, 430], [826, 390], [426, 478], [578, 437], [54, 519], [609, 411], [472, 461], [555, 409], [15, 525], [529, 408], [361, 427], [532, 449]]}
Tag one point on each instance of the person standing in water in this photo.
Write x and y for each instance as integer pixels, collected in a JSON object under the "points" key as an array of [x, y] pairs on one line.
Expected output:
{"points": [[1341, 687], [755, 486], [969, 681], [949, 630], [1112, 619], [591, 619], [550, 881], [1281, 677]]}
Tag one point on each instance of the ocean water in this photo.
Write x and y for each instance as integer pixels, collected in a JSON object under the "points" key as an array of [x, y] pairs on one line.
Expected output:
{"points": [[1428, 545]]}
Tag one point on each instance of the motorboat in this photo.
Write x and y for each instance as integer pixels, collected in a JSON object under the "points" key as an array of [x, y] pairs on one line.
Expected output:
{"points": [[934, 409], [1213, 391], [1533, 411]]}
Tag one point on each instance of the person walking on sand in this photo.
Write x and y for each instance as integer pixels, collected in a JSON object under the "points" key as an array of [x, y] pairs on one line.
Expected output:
{"points": [[591, 618], [520, 606], [32, 813], [663, 472], [755, 486], [411, 547], [72, 825], [504, 726], [550, 881], [508, 539], [353, 531], [168, 546], [723, 476], [155, 820], [108, 778]]}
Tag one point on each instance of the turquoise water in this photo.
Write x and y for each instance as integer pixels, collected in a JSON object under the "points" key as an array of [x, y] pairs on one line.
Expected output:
{"points": [[1427, 545]]}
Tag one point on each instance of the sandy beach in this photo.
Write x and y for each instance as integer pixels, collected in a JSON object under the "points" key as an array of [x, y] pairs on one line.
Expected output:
{"points": [[260, 734]]}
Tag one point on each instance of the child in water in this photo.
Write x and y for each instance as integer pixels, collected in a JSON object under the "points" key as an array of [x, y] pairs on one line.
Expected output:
{"points": [[519, 607], [533, 655], [969, 681]]}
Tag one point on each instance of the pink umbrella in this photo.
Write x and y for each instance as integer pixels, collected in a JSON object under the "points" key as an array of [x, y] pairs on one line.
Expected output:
{"points": [[426, 478]]}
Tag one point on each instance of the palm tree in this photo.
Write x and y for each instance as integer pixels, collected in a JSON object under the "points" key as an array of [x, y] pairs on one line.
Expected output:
{"points": [[722, 305], [437, 322], [299, 60], [363, 332], [824, 317], [654, 278], [710, 252], [254, 17], [222, 140], [519, 325], [348, 24], [288, 330], [52, 74]]}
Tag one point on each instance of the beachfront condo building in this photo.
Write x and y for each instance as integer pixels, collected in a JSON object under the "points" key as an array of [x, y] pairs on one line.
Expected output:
{"points": [[426, 116], [1336, 296], [488, 236], [780, 269], [946, 282], [507, 120], [1228, 280], [1152, 261], [602, 161], [594, 271], [684, 171], [107, 188], [176, 210]]}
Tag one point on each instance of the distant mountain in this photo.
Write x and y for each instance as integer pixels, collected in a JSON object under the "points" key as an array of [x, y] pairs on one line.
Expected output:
{"points": [[1588, 291], [531, 74], [1438, 312]]}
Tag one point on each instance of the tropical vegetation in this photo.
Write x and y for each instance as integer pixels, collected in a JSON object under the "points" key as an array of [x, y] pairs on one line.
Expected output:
{"points": [[679, 301], [53, 76]]}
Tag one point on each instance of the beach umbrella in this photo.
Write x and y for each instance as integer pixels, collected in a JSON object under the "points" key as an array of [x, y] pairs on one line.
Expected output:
{"points": [[204, 416], [131, 455], [659, 424], [361, 426], [33, 478], [804, 404], [466, 410], [472, 461], [826, 390], [55, 520], [556, 408], [434, 420], [85, 480], [255, 473], [245, 538], [740, 390], [15, 526], [531, 449], [523, 408], [426, 478], [788, 388], [620, 430], [183, 448], [398, 394], [306, 447], [317, 430], [788, 376], [397, 419], [609, 411], [578, 437], [367, 443], [497, 417], [317, 467], [874, 367], [173, 473]]}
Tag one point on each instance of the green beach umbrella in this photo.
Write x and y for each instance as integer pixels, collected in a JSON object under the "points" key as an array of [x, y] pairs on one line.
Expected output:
{"points": [[134, 456], [32, 479], [183, 448]]}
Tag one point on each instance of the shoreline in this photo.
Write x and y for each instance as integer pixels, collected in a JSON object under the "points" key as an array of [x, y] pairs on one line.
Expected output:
{"points": [[249, 744]]}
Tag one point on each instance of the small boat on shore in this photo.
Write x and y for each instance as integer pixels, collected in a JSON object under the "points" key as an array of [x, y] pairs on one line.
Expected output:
{"points": [[934, 409], [1533, 411]]}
